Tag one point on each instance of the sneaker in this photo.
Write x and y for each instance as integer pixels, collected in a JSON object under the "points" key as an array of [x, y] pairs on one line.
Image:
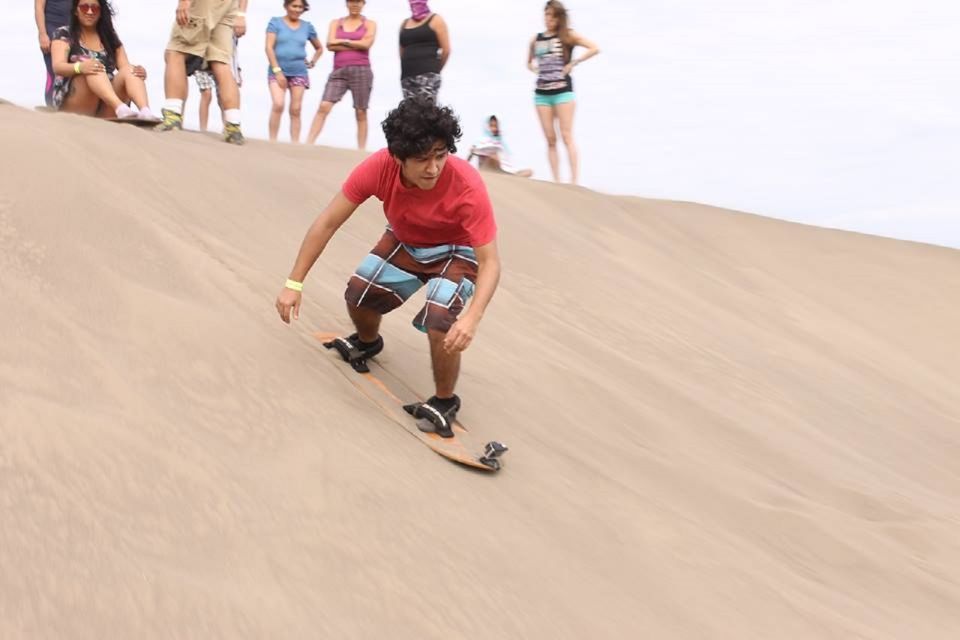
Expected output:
{"points": [[146, 114], [171, 121], [440, 413], [124, 111], [232, 133]]}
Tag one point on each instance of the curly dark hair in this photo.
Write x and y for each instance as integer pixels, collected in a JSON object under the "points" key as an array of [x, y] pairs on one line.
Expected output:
{"points": [[417, 124]]}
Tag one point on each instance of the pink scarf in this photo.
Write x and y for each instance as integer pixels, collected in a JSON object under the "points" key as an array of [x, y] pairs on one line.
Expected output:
{"points": [[419, 9]]}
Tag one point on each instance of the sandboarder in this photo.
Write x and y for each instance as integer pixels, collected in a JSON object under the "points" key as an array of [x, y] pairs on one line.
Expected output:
{"points": [[441, 233]]}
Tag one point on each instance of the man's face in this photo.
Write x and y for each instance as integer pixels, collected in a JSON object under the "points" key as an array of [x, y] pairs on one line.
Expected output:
{"points": [[423, 171]]}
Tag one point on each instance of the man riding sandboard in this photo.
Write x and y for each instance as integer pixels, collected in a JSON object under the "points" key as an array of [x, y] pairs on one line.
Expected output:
{"points": [[441, 233]]}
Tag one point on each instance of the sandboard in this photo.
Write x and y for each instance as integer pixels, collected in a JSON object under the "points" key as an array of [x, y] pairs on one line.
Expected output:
{"points": [[387, 393], [137, 122]]}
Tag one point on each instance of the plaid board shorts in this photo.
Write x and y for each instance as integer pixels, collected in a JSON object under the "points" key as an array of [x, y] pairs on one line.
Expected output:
{"points": [[357, 78], [393, 271]]}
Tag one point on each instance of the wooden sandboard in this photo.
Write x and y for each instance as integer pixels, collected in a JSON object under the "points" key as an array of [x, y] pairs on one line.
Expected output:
{"points": [[137, 122], [387, 392]]}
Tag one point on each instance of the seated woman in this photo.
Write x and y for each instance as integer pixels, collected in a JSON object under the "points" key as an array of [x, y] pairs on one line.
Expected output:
{"points": [[491, 151], [93, 75]]}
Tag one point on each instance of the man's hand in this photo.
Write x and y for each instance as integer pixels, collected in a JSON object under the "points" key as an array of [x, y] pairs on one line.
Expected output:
{"points": [[183, 12], [289, 301], [240, 26], [44, 42], [460, 335]]}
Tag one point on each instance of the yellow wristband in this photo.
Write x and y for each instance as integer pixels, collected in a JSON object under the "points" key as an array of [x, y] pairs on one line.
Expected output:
{"points": [[76, 69], [276, 70], [294, 285]]}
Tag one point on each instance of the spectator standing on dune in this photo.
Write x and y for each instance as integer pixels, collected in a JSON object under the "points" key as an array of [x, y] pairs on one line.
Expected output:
{"points": [[350, 38], [286, 47], [551, 58], [424, 51], [206, 83], [203, 28], [50, 15]]}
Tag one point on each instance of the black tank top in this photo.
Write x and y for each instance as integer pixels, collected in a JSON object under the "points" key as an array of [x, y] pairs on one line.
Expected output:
{"points": [[420, 50]]}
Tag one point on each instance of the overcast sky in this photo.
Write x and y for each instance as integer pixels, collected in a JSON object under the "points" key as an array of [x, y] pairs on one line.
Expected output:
{"points": [[840, 113]]}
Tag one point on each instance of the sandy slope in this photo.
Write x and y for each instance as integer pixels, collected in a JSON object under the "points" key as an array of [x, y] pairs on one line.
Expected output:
{"points": [[722, 426]]}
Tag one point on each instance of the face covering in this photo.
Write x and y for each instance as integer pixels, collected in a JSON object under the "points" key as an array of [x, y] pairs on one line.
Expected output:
{"points": [[419, 9]]}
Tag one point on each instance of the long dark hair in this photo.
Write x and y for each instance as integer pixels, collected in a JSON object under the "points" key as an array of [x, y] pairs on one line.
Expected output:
{"points": [[108, 35]]}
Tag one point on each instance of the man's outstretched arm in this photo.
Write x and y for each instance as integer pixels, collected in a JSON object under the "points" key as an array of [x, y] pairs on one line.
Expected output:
{"points": [[318, 235]]}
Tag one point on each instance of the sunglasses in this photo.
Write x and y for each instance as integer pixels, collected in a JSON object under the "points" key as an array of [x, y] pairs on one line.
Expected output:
{"points": [[89, 7]]}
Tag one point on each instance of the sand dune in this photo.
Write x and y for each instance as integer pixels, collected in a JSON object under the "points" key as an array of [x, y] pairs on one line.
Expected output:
{"points": [[721, 425]]}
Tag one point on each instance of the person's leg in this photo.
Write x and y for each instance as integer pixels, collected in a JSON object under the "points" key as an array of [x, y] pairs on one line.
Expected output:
{"points": [[206, 97], [296, 106], [565, 113], [361, 86], [318, 121], [446, 366], [361, 128], [101, 86], [226, 85], [367, 322], [175, 75], [130, 87], [545, 114], [80, 99], [277, 97], [48, 86]]}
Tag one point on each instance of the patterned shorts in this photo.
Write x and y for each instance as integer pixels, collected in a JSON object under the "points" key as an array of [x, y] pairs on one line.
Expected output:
{"points": [[292, 81], [392, 272], [204, 80], [425, 84], [357, 78]]}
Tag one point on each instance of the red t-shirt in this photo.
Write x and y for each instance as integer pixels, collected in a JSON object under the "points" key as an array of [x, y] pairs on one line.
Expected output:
{"points": [[456, 211]]}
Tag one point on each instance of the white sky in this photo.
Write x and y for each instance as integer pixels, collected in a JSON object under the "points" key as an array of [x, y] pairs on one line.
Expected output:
{"points": [[838, 113]]}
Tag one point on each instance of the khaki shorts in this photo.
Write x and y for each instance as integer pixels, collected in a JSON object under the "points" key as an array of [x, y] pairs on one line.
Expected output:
{"points": [[209, 32]]}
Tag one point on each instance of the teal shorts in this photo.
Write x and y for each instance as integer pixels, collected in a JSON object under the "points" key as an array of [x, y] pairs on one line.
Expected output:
{"points": [[554, 99]]}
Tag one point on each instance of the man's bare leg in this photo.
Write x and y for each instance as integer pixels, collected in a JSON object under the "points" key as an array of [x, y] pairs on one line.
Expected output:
{"points": [[367, 322], [175, 75], [446, 366]]}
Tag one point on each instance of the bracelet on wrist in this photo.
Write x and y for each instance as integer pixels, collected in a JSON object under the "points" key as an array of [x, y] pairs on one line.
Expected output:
{"points": [[276, 71], [293, 285], [76, 69]]}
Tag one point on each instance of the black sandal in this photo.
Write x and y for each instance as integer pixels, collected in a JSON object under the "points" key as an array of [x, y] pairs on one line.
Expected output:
{"points": [[437, 413], [351, 351]]}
